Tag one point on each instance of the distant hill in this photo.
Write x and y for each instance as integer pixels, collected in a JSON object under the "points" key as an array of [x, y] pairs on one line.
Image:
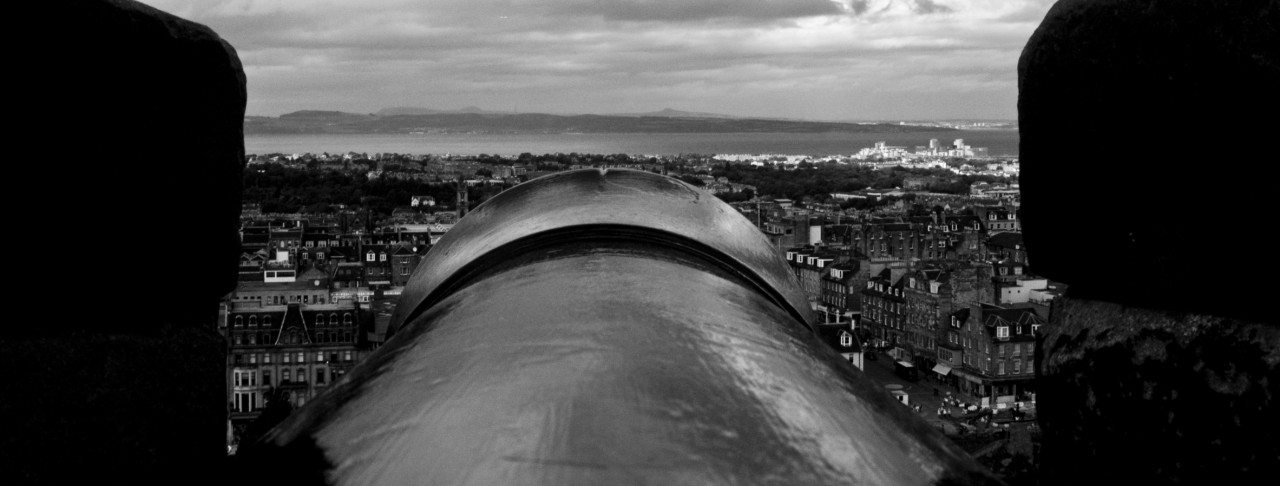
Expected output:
{"points": [[411, 111], [671, 113], [405, 120]]}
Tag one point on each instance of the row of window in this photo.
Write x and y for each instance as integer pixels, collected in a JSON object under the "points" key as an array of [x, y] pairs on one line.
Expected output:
{"points": [[319, 320], [1017, 367], [248, 378], [251, 338], [300, 357], [1015, 349]]}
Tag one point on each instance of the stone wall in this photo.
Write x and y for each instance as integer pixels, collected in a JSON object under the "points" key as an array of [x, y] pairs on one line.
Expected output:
{"points": [[1158, 366], [129, 149]]}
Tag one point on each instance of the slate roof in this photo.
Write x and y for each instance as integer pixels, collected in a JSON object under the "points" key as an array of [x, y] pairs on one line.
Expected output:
{"points": [[1005, 240]]}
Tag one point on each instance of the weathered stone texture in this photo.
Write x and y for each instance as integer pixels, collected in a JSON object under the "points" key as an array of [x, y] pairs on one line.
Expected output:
{"points": [[1157, 397], [115, 407]]}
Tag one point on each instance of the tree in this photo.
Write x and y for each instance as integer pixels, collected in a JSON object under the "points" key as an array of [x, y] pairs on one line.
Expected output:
{"points": [[693, 180], [275, 410]]}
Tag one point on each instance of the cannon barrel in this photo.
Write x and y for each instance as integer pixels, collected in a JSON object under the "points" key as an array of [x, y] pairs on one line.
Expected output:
{"points": [[600, 327]]}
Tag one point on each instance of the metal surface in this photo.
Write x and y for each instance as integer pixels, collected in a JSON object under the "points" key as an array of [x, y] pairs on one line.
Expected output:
{"points": [[603, 356], [600, 197]]}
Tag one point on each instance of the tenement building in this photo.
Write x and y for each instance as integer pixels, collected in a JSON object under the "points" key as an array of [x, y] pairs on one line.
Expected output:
{"points": [[290, 351]]}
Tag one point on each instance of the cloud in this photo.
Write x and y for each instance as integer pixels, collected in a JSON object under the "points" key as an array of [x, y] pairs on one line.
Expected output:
{"points": [[699, 10], [928, 7], [842, 59]]}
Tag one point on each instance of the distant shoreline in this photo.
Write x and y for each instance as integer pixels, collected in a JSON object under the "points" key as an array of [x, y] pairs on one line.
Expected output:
{"points": [[329, 122], [998, 142]]}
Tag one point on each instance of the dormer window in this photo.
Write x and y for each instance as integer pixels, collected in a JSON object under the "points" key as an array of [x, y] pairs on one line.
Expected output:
{"points": [[368, 257], [1017, 270], [1004, 270], [846, 339], [933, 287], [955, 227], [382, 257], [994, 216], [1002, 331]]}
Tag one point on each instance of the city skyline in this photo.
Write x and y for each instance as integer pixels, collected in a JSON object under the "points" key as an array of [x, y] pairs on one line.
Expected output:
{"points": [[806, 59]]}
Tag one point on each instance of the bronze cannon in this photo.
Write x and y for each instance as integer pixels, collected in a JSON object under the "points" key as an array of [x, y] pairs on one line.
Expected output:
{"points": [[602, 327]]}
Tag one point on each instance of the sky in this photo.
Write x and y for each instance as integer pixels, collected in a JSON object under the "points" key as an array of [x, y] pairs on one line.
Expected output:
{"points": [[805, 59]]}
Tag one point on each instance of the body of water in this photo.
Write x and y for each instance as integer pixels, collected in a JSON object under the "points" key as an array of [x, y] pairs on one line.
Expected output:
{"points": [[997, 142]]}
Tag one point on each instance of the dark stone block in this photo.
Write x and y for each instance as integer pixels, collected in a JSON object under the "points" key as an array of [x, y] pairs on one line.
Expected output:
{"points": [[1146, 128], [129, 151], [146, 409], [1139, 396], [131, 127]]}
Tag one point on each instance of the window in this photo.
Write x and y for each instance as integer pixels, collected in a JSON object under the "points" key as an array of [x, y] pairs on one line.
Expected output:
{"points": [[239, 321], [368, 257], [286, 357], [382, 257], [302, 358], [346, 356], [253, 321], [1000, 367], [319, 376], [1017, 366], [266, 358], [346, 319], [266, 377], [302, 374], [253, 358], [1000, 350], [319, 319], [286, 375], [846, 339], [1002, 331]]}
